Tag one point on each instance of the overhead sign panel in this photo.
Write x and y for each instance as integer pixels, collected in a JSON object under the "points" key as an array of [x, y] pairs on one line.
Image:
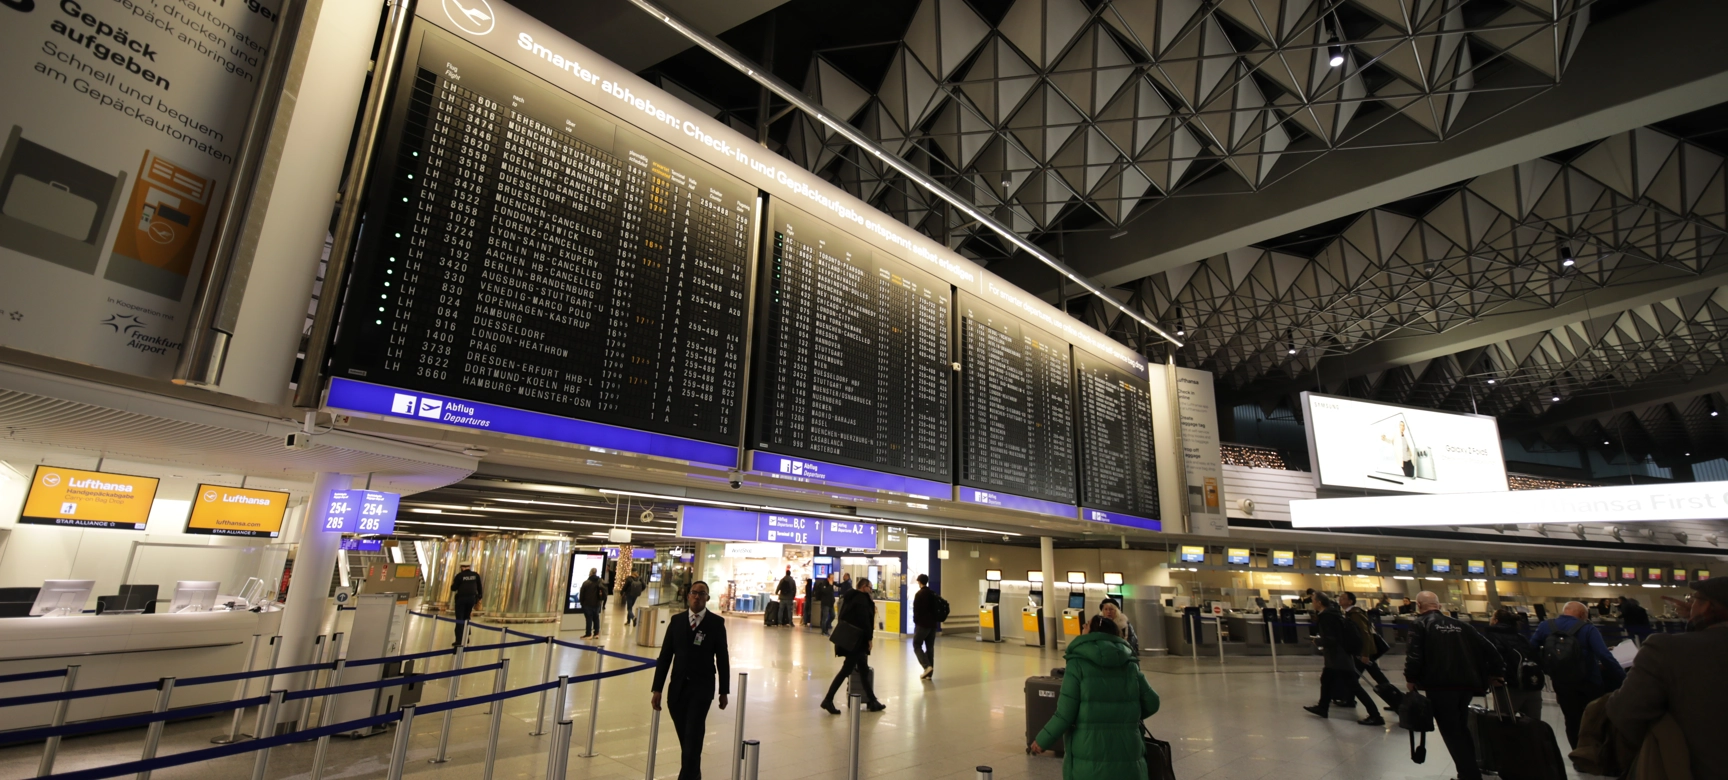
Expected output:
{"points": [[737, 525], [232, 511], [361, 512], [1370, 446], [1619, 504], [75, 498]]}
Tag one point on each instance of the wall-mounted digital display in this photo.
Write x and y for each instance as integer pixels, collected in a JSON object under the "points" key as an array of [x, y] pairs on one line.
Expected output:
{"points": [[1373, 446], [361, 512], [1193, 554], [1475, 567], [1325, 560], [1653, 574], [993, 575], [1017, 405], [1441, 566], [1508, 568], [363, 545], [1237, 556], [1114, 419], [1702, 575], [1403, 564], [1035, 576], [1678, 576], [1600, 573], [1570, 571], [1112, 578], [231, 511], [707, 522], [74, 498], [1076, 578], [1366, 563], [1628, 573], [1283, 557]]}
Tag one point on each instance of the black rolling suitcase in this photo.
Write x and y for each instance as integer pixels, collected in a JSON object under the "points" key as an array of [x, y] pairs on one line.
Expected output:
{"points": [[1516, 747], [1041, 696]]}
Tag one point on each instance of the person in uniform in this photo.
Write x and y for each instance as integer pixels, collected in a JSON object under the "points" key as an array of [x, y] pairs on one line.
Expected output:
{"points": [[693, 655], [466, 589]]}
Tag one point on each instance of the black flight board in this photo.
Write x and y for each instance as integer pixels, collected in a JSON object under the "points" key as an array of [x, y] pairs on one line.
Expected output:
{"points": [[1016, 405], [1117, 468], [522, 248], [855, 353]]}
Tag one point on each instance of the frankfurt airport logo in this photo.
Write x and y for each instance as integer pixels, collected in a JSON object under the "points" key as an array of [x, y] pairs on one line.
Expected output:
{"points": [[403, 403], [472, 16]]}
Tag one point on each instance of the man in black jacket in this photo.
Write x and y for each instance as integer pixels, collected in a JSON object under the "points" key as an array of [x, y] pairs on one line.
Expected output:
{"points": [[924, 626], [590, 595], [787, 591], [1368, 660], [693, 654], [825, 600], [465, 587], [1340, 645], [859, 610], [1454, 665]]}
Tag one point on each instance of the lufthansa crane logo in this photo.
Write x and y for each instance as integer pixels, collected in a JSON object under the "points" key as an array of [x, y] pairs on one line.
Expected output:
{"points": [[472, 16], [209, 495], [50, 479]]}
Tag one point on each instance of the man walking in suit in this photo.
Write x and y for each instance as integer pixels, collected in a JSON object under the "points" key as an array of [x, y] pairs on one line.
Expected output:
{"points": [[695, 650]]}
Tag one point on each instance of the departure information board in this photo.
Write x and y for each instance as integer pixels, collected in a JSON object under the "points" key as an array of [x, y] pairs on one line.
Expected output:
{"points": [[531, 252], [1117, 470], [854, 353], [1016, 405]]}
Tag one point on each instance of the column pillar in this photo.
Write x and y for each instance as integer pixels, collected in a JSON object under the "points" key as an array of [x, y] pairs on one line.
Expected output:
{"points": [[1052, 605], [308, 590]]}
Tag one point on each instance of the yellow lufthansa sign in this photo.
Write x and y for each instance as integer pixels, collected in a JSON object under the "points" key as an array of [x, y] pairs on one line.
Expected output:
{"points": [[88, 499], [232, 511]]}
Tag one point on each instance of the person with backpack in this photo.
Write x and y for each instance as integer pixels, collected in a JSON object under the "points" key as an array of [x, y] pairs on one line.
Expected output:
{"points": [[1340, 645], [1524, 679], [1453, 664], [1577, 661], [928, 611], [1373, 646]]}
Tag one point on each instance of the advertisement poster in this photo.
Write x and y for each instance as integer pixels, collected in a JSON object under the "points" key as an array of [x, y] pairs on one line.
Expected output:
{"points": [[1197, 411], [121, 124], [1370, 446]]}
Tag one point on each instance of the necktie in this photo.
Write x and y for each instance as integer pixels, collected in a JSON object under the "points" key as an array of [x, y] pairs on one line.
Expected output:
{"points": [[694, 620]]}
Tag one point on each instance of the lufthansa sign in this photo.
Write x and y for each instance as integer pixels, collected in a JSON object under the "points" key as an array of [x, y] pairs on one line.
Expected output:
{"points": [[88, 499], [232, 511], [1619, 504]]}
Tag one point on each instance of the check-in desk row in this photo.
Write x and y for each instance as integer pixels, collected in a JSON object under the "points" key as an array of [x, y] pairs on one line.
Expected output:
{"points": [[1246, 633]]}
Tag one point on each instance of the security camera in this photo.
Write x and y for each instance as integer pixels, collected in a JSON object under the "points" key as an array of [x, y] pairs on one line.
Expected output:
{"points": [[298, 440], [735, 480]]}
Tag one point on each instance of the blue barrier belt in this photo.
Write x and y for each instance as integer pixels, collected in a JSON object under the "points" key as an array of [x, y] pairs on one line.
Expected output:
{"points": [[388, 682], [32, 675], [19, 701], [129, 721], [222, 751], [221, 678]]}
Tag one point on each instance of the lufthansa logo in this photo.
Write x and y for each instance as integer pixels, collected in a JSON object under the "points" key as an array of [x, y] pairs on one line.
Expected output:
{"points": [[209, 495], [472, 16], [50, 479]]}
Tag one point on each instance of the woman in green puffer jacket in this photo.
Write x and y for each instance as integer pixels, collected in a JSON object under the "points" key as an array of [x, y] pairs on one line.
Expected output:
{"points": [[1104, 699]]}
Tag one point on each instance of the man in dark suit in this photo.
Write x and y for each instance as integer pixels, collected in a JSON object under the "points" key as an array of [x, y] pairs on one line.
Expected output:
{"points": [[694, 651], [857, 608]]}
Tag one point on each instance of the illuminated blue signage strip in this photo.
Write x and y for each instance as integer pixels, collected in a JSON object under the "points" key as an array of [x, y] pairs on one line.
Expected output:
{"points": [[971, 495], [821, 473], [734, 525], [367, 398], [1117, 518], [361, 512]]}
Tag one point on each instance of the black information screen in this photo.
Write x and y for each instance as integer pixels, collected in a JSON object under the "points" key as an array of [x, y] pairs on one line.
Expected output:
{"points": [[523, 249], [855, 353], [1016, 405], [1117, 471]]}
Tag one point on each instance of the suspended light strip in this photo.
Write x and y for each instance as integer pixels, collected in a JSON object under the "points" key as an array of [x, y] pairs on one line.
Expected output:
{"points": [[785, 91], [805, 512]]}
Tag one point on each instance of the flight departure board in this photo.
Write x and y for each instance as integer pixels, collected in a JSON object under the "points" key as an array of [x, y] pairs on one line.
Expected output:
{"points": [[1117, 468], [854, 354], [1016, 405], [522, 248]]}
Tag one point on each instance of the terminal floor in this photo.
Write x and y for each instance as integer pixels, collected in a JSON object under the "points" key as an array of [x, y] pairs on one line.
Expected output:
{"points": [[1235, 721]]}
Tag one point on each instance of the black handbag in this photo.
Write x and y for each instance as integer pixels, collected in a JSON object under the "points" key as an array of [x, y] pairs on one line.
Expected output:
{"points": [[1159, 763], [847, 638], [1416, 715]]}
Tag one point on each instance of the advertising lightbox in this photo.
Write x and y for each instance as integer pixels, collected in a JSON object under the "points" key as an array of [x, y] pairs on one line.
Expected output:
{"points": [[1371, 446], [74, 498], [232, 511]]}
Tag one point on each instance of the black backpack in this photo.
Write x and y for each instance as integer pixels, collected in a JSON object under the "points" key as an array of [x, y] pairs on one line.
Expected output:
{"points": [[941, 608], [1564, 656]]}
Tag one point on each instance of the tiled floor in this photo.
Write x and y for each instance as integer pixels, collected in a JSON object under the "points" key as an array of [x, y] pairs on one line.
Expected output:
{"points": [[1241, 721]]}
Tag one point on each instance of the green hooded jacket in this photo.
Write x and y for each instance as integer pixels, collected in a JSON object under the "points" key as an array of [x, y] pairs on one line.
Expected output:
{"points": [[1104, 698]]}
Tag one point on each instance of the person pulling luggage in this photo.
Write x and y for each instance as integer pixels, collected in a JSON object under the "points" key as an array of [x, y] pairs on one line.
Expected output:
{"points": [[1340, 646], [1104, 699], [1524, 678], [1373, 646], [852, 642], [1453, 664]]}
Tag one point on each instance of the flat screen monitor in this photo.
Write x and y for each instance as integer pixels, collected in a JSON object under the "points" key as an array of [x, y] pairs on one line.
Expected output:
{"points": [[1371, 446], [993, 575], [1679, 576], [62, 597], [1570, 571], [1701, 575], [1193, 554], [1112, 578], [993, 596], [1367, 563], [220, 510], [73, 498], [1237, 556], [1628, 573], [1441, 566], [1475, 567], [1404, 564], [1035, 577], [1283, 558], [1077, 601], [194, 596], [1076, 578], [1508, 568], [1653, 574], [1599, 573], [1325, 560], [16, 602], [133, 598]]}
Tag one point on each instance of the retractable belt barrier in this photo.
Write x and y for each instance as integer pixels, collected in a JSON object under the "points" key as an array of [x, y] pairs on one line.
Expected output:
{"points": [[304, 735]]}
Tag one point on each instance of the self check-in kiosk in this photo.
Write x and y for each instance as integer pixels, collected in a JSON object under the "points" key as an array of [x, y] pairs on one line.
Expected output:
{"points": [[1032, 615], [990, 607], [1074, 613]]}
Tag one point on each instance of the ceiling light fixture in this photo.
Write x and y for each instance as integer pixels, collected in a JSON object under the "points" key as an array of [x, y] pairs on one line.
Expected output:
{"points": [[841, 127], [1335, 52], [1490, 380], [1567, 259]]}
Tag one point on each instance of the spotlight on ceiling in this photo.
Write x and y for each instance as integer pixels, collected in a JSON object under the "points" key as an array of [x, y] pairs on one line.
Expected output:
{"points": [[1180, 330], [1567, 259], [1615, 532], [1713, 539], [1579, 530], [1682, 536], [1335, 53], [1490, 381], [1292, 347]]}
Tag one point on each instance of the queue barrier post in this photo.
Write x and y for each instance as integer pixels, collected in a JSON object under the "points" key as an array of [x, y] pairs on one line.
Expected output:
{"points": [[499, 682], [1219, 621], [233, 734], [653, 740], [545, 677], [558, 753], [738, 727], [594, 705], [51, 746], [454, 691], [399, 749], [984, 773], [752, 758], [1272, 639], [275, 654], [262, 762], [153, 735], [324, 711], [854, 706], [321, 655]]}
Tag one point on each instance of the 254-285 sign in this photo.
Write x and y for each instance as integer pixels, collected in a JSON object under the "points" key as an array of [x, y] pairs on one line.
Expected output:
{"points": [[361, 512]]}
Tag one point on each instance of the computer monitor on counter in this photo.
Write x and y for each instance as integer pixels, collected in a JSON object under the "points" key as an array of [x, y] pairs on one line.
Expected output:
{"points": [[62, 597], [194, 596]]}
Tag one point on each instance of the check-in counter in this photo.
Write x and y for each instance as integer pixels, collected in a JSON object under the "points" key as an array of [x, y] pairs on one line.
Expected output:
{"points": [[1248, 635], [1176, 635], [122, 649]]}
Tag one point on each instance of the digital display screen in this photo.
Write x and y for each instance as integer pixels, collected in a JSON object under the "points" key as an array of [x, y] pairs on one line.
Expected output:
{"points": [[1703, 574], [231, 511], [1112, 578], [1404, 564], [1076, 601], [1035, 576], [1441, 566], [1117, 468], [1193, 554], [1325, 560], [1017, 408], [1366, 563], [1076, 578], [1628, 573], [1679, 576], [1569, 571], [1653, 575], [73, 498], [1237, 555], [855, 350], [706, 522], [1283, 558], [1508, 568], [993, 575], [1475, 567], [1600, 573], [527, 250], [1373, 446], [363, 545], [361, 512]]}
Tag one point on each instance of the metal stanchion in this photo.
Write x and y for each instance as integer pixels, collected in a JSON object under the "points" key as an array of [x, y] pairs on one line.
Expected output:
{"points": [[455, 690], [499, 683], [153, 736], [558, 753], [1195, 631], [275, 653], [653, 741], [560, 698], [503, 656], [320, 655], [1220, 623], [233, 734], [984, 773], [324, 711], [545, 677], [594, 706], [1272, 639], [399, 750], [752, 758], [855, 706], [738, 727], [262, 762], [51, 747]]}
